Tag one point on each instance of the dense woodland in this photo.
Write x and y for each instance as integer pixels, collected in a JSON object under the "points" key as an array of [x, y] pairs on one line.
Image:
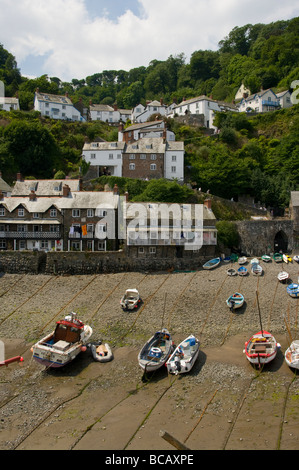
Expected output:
{"points": [[255, 155]]}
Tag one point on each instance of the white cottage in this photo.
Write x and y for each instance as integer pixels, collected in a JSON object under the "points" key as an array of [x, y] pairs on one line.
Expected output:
{"points": [[263, 101], [56, 107], [9, 104]]}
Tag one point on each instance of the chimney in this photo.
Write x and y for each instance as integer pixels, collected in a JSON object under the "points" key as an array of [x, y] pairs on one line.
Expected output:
{"points": [[66, 94], [1, 195], [120, 126], [37, 90], [115, 189], [161, 101], [32, 196], [19, 177], [0, 174], [90, 102], [126, 196], [80, 184], [245, 95], [208, 203], [65, 190], [115, 107]]}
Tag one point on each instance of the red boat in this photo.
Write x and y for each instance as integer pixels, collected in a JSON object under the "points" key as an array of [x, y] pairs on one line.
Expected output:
{"points": [[261, 348]]}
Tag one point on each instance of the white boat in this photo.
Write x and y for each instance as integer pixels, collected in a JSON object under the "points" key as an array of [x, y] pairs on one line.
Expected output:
{"points": [[282, 276], [293, 290], [292, 355], [242, 260], [64, 343], [296, 258], [256, 269], [101, 352], [231, 272], [235, 300], [212, 263], [156, 351], [261, 348], [254, 261], [286, 258], [184, 356], [266, 258], [130, 299]]}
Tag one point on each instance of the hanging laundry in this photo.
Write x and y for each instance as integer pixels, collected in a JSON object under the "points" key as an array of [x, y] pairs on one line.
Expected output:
{"points": [[84, 230]]}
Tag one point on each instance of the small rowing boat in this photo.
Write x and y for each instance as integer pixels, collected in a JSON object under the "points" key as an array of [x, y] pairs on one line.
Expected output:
{"points": [[242, 271], [256, 269], [292, 355], [266, 258], [293, 290], [261, 348], [156, 351], [235, 300], [277, 257], [283, 276], [242, 260], [212, 263], [231, 272]]}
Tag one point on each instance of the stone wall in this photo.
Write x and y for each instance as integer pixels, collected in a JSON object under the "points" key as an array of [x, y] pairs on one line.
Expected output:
{"points": [[17, 262], [257, 237]]}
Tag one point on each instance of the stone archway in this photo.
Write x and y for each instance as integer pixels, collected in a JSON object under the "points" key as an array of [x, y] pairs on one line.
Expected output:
{"points": [[281, 241]]}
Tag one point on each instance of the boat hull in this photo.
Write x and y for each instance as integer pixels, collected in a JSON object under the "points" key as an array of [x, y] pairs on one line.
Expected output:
{"points": [[293, 290], [212, 263], [292, 355], [261, 348], [182, 365], [156, 351], [235, 301]]}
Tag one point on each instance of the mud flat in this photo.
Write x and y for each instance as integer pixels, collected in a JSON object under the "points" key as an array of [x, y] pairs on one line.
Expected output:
{"points": [[223, 403]]}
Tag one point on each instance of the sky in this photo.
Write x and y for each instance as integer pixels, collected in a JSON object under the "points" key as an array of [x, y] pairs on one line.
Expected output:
{"points": [[77, 38]]}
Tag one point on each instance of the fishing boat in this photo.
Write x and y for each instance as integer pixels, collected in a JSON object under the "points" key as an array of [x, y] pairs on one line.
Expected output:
{"points": [[231, 272], [212, 263], [156, 351], [184, 356], [227, 259], [235, 300], [261, 348], [130, 299], [64, 343], [292, 355], [293, 290], [242, 271], [101, 352], [256, 269], [282, 276], [266, 258], [242, 260], [277, 257], [296, 258]]}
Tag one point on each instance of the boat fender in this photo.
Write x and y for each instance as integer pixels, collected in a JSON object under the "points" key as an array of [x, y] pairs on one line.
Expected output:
{"points": [[83, 348]]}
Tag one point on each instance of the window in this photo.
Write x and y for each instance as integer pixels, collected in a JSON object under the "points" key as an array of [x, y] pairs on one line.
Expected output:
{"points": [[153, 166], [153, 156], [54, 228], [53, 213], [102, 212], [102, 246], [92, 156], [76, 212], [90, 228], [36, 215], [22, 228], [37, 228], [2, 212], [2, 244], [173, 158], [141, 249], [44, 244], [90, 212], [173, 169], [132, 156], [21, 212], [119, 155], [22, 245], [102, 228], [142, 156], [132, 166], [152, 250], [110, 156]]}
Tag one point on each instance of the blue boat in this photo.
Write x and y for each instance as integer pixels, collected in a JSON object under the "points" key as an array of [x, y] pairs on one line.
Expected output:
{"points": [[242, 271], [235, 300], [212, 263], [293, 290]]}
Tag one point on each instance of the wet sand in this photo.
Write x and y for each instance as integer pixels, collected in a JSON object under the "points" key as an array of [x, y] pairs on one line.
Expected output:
{"points": [[223, 403]]}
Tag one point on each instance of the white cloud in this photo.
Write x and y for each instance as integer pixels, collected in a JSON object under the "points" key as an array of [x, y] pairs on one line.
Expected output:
{"points": [[71, 44]]}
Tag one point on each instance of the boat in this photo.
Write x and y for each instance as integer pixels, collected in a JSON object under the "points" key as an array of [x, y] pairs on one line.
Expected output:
{"points": [[156, 351], [256, 269], [292, 355], [283, 276], [184, 356], [254, 261], [296, 258], [212, 263], [231, 272], [293, 290], [266, 258], [101, 352], [261, 348], [130, 299], [242, 260], [277, 257], [242, 271], [227, 259], [285, 258], [234, 257], [64, 343], [235, 300]]}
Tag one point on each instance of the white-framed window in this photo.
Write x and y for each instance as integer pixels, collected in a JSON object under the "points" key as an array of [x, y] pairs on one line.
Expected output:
{"points": [[142, 156], [53, 213], [44, 244], [92, 156], [102, 245], [132, 156], [21, 212], [76, 212], [153, 156], [22, 245], [132, 166], [152, 250], [90, 212], [153, 166], [36, 215], [22, 228], [140, 249], [90, 228], [173, 158], [54, 228], [110, 156], [2, 244], [101, 212], [2, 212], [173, 169], [119, 155], [102, 228]]}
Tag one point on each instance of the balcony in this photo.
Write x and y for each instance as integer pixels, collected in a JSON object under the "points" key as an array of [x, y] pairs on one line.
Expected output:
{"points": [[270, 103], [31, 235]]}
